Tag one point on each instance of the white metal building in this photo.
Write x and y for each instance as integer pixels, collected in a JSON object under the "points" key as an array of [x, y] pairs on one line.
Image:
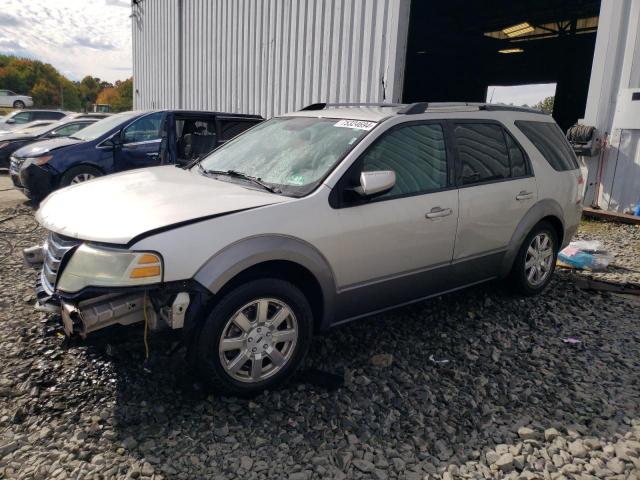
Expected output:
{"points": [[273, 56]]}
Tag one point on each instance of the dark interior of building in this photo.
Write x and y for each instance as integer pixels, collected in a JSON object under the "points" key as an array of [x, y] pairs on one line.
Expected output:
{"points": [[458, 48]]}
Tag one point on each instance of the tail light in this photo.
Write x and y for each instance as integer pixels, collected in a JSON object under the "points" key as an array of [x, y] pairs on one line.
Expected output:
{"points": [[580, 188]]}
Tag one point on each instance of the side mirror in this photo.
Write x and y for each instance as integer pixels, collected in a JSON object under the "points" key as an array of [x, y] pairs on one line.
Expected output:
{"points": [[10, 121], [375, 183]]}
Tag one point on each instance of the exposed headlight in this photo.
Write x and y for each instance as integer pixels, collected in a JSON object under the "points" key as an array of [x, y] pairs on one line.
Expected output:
{"points": [[37, 160], [109, 267]]}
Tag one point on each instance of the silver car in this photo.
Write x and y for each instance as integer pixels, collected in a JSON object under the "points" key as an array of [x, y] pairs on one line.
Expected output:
{"points": [[307, 221], [12, 99]]}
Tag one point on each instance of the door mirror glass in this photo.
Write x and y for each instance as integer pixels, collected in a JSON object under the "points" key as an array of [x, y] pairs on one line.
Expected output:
{"points": [[373, 183]]}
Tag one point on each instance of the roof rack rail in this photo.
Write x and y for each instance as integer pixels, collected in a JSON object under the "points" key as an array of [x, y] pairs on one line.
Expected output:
{"points": [[322, 106], [415, 108], [497, 107]]}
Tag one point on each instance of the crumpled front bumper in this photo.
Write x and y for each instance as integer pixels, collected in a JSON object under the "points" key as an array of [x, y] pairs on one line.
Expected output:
{"points": [[36, 181], [159, 306]]}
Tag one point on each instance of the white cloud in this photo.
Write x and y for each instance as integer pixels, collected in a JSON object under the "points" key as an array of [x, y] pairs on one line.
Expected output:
{"points": [[78, 37], [521, 94]]}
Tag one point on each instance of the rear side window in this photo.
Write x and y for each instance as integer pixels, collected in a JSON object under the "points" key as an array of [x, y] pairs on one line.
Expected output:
{"points": [[48, 115], [549, 140], [231, 128], [518, 162], [483, 152], [416, 153]]}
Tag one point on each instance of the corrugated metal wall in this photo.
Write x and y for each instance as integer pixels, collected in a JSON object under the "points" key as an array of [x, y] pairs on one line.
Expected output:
{"points": [[267, 56], [156, 54]]}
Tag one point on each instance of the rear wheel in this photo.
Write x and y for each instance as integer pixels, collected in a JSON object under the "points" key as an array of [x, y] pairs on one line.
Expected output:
{"points": [[82, 173], [535, 263], [19, 104], [254, 338]]}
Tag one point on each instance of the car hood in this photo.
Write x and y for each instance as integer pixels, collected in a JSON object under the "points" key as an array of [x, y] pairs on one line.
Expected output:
{"points": [[45, 146], [118, 208]]}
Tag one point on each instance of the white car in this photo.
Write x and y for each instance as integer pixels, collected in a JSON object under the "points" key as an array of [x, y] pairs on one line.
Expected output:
{"points": [[12, 99], [308, 221]]}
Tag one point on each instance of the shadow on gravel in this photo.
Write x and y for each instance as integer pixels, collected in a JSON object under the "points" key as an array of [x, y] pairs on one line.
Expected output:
{"points": [[468, 370]]}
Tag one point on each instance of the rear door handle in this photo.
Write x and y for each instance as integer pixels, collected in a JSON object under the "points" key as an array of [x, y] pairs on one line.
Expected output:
{"points": [[152, 154], [524, 195], [437, 212]]}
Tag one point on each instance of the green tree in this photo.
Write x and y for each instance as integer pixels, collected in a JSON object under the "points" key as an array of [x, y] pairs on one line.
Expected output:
{"points": [[546, 105]]}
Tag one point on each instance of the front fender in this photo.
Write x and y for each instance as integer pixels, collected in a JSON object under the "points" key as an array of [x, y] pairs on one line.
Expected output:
{"points": [[543, 208], [246, 253]]}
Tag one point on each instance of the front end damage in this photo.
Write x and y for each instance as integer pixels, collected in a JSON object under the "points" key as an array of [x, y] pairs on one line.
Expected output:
{"points": [[160, 306]]}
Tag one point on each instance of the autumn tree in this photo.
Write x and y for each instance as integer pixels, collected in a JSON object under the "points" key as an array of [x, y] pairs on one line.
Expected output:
{"points": [[51, 89]]}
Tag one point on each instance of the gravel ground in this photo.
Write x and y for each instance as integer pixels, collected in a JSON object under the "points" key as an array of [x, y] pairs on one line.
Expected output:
{"points": [[476, 384]]}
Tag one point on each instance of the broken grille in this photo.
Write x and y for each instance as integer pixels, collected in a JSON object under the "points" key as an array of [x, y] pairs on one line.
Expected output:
{"points": [[56, 248]]}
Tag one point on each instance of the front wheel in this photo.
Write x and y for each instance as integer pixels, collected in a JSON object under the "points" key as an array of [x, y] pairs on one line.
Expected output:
{"points": [[19, 104], [254, 338], [535, 263], [79, 174]]}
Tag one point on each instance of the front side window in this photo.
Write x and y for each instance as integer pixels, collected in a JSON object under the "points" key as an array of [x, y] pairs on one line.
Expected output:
{"points": [[22, 117], [549, 140], [144, 129], [483, 152], [416, 153], [103, 126], [292, 154]]}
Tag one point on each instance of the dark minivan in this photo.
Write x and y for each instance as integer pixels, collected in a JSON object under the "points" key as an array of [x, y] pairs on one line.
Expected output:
{"points": [[123, 141]]}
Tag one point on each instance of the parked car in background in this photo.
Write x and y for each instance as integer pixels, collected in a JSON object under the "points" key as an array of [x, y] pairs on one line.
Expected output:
{"points": [[12, 99], [94, 115], [20, 117], [27, 127], [122, 142], [12, 141], [311, 220]]}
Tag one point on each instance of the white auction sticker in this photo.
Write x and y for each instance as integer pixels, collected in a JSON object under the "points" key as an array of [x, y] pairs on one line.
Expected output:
{"points": [[358, 124]]}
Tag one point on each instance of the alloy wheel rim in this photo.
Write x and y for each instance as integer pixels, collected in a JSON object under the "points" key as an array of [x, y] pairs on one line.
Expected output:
{"points": [[258, 340], [82, 177], [539, 259]]}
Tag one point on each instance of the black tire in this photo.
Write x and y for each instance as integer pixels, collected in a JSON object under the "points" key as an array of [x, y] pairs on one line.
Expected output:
{"points": [[518, 277], [69, 175], [19, 104], [206, 356]]}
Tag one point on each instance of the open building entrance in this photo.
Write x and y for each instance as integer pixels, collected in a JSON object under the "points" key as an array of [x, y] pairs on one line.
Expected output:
{"points": [[458, 48]]}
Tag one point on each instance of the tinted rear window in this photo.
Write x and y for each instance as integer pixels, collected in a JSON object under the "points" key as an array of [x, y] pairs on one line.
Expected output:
{"points": [[549, 140]]}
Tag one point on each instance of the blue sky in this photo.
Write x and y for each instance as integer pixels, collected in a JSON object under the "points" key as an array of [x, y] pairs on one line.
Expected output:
{"points": [[78, 37], [521, 94]]}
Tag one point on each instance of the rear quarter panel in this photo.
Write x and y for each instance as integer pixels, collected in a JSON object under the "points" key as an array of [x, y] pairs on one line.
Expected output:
{"points": [[559, 186]]}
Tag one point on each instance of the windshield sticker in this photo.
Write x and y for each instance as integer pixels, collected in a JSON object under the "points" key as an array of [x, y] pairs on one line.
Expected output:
{"points": [[295, 180], [357, 124]]}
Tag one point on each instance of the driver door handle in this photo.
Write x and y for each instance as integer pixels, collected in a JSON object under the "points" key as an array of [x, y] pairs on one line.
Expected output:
{"points": [[153, 154], [524, 195], [437, 212]]}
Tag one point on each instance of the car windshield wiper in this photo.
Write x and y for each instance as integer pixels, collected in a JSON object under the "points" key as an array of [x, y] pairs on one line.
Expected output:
{"points": [[244, 176]]}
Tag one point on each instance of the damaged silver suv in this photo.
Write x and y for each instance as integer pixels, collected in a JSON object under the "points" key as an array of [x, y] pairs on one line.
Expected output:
{"points": [[307, 221]]}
